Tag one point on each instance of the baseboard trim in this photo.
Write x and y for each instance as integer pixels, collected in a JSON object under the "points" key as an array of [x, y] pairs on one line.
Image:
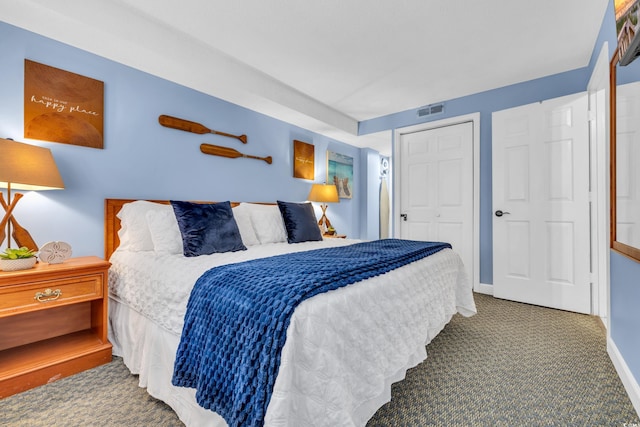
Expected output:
{"points": [[628, 380], [483, 288]]}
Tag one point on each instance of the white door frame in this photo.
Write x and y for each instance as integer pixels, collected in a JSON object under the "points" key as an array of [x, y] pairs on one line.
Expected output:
{"points": [[395, 211], [598, 123]]}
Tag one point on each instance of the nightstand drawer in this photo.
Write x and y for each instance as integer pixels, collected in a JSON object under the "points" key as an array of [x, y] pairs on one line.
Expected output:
{"points": [[40, 295]]}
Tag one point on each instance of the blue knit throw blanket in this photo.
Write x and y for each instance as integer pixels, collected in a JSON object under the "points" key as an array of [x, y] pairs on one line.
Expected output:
{"points": [[238, 314]]}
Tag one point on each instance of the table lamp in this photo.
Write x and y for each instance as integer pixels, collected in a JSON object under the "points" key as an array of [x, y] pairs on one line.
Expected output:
{"points": [[24, 167], [324, 193]]}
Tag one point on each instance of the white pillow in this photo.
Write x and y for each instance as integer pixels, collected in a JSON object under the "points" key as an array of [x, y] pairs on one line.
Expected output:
{"points": [[134, 232], [164, 229], [267, 222], [243, 219]]}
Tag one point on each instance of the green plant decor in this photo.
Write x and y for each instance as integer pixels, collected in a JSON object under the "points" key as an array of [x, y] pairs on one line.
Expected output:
{"points": [[19, 253]]}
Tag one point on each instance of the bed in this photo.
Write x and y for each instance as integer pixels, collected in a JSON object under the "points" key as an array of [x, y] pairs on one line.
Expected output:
{"points": [[343, 350]]}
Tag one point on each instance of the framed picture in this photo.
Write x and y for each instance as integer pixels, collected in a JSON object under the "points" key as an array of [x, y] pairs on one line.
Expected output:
{"points": [[60, 106], [340, 173], [303, 160]]}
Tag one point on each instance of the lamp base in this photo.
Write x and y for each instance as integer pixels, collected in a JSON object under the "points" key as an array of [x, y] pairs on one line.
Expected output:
{"points": [[20, 235], [324, 222]]}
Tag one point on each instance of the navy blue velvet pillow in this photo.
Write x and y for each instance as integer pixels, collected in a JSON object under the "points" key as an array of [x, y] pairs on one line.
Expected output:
{"points": [[300, 222], [207, 228]]}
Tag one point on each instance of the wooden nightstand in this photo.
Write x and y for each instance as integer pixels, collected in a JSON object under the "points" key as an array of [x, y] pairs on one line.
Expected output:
{"points": [[334, 236], [53, 322]]}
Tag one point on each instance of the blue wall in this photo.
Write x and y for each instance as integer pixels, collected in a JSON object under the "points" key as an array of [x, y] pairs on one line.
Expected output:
{"points": [[370, 194], [625, 316], [142, 159]]}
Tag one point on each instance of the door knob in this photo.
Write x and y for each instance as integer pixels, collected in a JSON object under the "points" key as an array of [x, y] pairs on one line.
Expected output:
{"points": [[500, 213], [403, 216]]}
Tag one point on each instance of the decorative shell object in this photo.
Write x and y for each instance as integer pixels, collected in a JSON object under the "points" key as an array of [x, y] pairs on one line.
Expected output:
{"points": [[55, 252], [17, 264]]}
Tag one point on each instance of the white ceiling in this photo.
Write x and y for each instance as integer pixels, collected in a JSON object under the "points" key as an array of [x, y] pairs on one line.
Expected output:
{"points": [[325, 65]]}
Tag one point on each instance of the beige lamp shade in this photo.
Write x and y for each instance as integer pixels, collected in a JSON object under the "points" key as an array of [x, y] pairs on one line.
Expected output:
{"points": [[27, 167], [325, 193]]}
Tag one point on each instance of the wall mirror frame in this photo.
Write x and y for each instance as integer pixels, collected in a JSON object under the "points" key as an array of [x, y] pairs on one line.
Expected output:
{"points": [[623, 248]]}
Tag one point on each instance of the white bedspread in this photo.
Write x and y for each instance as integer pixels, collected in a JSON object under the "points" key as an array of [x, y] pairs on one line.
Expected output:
{"points": [[344, 348]]}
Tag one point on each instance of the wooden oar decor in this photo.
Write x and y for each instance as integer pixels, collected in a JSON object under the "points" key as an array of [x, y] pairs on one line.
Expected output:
{"points": [[193, 127], [216, 150]]}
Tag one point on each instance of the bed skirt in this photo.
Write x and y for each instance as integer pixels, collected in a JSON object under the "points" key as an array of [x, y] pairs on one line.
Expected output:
{"points": [[149, 350]]}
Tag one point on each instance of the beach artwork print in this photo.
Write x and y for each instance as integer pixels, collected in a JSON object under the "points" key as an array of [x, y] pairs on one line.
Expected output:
{"points": [[340, 173]]}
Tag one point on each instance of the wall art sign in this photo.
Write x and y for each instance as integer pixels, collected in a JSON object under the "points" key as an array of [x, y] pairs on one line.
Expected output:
{"points": [[340, 173], [303, 160], [61, 106]]}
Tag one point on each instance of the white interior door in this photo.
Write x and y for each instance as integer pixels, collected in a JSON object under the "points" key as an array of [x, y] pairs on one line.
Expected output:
{"points": [[436, 191], [541, 230]]}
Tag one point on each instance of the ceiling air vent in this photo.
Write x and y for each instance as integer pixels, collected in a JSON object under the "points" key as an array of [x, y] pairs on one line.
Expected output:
{"points": [[430, 110]]}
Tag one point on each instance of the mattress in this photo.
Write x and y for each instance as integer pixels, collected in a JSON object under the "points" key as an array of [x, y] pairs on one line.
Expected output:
{"points": [[344, 348]]}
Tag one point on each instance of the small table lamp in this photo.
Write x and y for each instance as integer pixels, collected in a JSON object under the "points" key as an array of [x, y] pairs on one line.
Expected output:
{"points": [[324, 193], [24, 167]]}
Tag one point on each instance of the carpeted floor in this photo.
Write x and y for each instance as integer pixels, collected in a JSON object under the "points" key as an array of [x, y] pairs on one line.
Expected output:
{"points": [[513, 364], [510, 365]]}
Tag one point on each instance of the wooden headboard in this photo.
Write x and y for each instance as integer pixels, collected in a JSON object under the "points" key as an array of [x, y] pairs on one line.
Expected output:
{"points": [[112, 222]]}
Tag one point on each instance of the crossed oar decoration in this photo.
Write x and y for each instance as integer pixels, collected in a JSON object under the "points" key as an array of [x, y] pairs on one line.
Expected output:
{"points": [[214, 150], [19, 234]]}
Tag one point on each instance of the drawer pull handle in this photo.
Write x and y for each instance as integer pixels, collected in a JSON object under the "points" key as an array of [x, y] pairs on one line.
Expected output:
{"points": [[48, 295]]}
